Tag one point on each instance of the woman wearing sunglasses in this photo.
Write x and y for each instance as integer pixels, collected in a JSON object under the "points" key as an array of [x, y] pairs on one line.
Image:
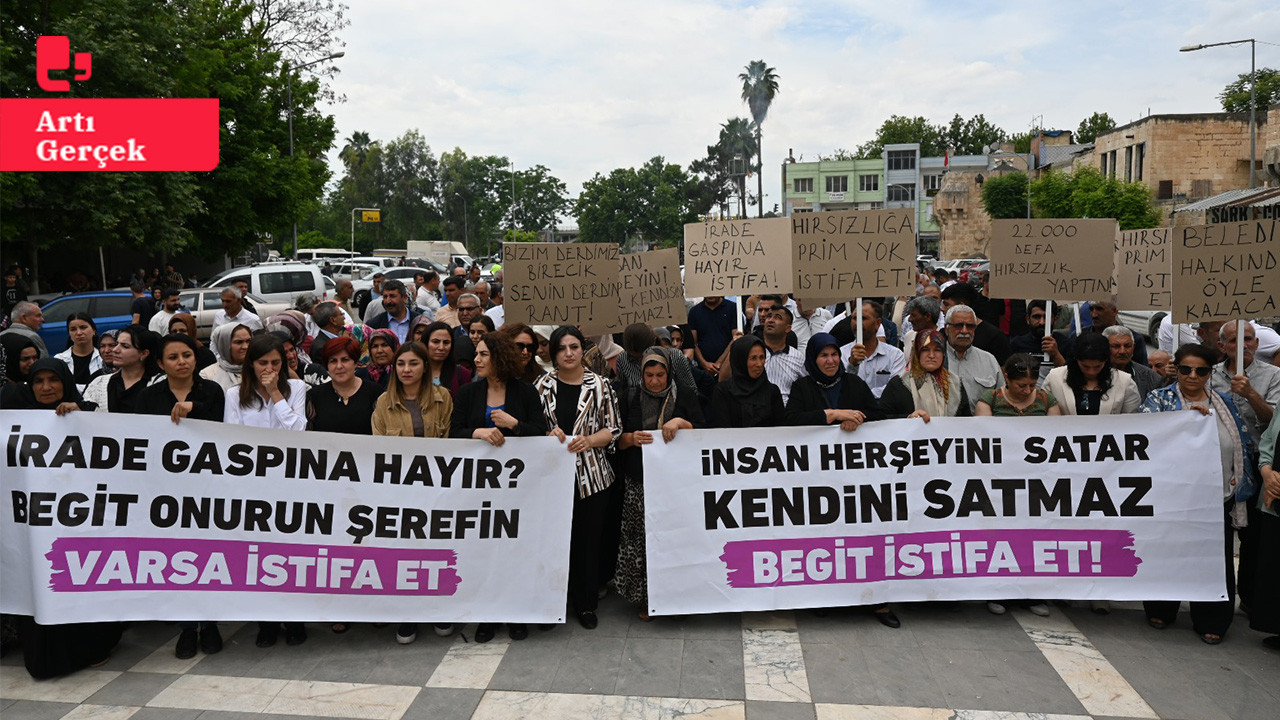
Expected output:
{"points": [[1194, 363]]}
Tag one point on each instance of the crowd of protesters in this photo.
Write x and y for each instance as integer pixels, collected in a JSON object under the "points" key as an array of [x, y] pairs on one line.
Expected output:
{"points": [[436, 359]]}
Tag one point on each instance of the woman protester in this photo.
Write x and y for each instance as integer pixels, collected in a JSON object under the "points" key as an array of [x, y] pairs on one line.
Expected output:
{"points": [[137, 352], [231, 345], [346, 403], [377, 370], [527, 343], [185, 324], [1209, 620], [926, 389], [746, 398], [481, 325], [181, 393], [48, 386], [82, 356], [827, 395], [496, 406], [107, 349], [582, 411], [1019, 398], [267, 398], [445, 372], [654, 407], [20, 354]]}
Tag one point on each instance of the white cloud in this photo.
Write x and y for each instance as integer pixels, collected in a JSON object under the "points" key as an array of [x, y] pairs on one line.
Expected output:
{"points": [[585, 87]]}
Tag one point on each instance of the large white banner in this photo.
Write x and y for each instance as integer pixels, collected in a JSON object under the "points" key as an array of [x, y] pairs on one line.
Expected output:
{"points": [[109, 517], [1113, 507]]}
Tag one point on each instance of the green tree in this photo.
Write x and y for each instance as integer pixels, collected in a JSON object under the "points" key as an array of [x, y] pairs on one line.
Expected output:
{"points": [[1235, 96], [901, 129], [1093, 126], [970, 137], [540, 199], [1022, 142], [651, 203], [410, 175], [1086, 192], [1005, 196], [759, 87]]}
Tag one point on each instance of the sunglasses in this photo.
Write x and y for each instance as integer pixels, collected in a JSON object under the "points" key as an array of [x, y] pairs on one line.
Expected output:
{"points": [[1199, 371], [527, 347]]}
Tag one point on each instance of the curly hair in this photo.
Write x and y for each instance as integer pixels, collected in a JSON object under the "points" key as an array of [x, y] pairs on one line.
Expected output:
{"points": [[504, 357], [529, 372]]}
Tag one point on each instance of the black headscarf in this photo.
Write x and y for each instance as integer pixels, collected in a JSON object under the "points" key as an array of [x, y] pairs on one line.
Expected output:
{"points": [[741, 385], [14, 344], [23, 397], [829, 385]]}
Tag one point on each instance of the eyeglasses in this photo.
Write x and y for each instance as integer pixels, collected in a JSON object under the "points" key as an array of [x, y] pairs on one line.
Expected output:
{"points": [[963, 325], [527, 347], [468, 307], [1199, 371]]}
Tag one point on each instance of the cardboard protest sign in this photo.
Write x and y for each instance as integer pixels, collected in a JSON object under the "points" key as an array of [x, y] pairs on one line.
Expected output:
{"points": [[1057, 259], [1226, 271], [1143, 278], [562, 284], [737, 257], [649, 288], [839, 256]]}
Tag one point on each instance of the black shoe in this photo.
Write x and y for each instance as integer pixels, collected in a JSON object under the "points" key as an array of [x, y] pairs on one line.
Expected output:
{"points": [[517, 631], [407, 633], [211, 640], [588, 619], [484, 632], [267, 635], [888, 619], [295, 634], [186, 647]]}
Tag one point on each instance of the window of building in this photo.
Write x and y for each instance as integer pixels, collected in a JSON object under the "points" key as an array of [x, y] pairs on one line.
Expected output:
{"points": [[1138, 161], [837, 183], [932, 183], [868, 183], [1102, 160], [797, 211], [1165, 190], [902, 160], [1115, 162], [1128, 164], [901, 193], [803, 185], [1201, 188], [877, 206]]}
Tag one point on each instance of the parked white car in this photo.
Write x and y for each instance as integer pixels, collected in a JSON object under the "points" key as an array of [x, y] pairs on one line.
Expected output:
{"points": [[276, 282]]}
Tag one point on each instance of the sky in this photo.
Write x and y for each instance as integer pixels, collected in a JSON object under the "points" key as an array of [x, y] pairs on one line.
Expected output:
{"points": [[584, 87]]}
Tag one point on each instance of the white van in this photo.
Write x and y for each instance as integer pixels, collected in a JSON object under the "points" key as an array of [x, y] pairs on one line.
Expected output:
{"points": [[317, 256], [275, 282]]}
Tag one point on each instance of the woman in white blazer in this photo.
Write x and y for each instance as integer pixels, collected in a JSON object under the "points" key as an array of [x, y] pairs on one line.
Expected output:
{"points": [[1088, 385]]}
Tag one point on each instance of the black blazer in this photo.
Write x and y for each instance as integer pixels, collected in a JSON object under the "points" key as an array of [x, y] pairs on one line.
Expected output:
{"points": [[728, 412], [807, 403], [207, 400], [522, 402]]}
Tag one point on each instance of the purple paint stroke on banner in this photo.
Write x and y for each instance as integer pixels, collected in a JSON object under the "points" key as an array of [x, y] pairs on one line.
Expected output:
{"points": [[930, 555], [97, 564]]}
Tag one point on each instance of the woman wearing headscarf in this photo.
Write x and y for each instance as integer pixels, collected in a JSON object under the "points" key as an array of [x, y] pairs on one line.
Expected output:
{"points": [[107, 349], [1209, 620], [137, 351], [496, 406], [746, 398], [231, 344], [20, 352], [82, 356], [655, 406], [418, 329], [382, 346], [48, 386], [185, 324], [827, 395], [582, 411], [926, 388], [294, 323]]}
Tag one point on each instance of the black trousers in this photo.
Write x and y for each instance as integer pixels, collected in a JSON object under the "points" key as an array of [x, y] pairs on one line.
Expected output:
{"points": [[1249, 551], [1207, 618], [585, 547], [1264, 603]]}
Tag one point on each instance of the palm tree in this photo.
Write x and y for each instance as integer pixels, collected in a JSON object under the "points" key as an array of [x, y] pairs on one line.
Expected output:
{"points": [[356, 149], [759, 86]]}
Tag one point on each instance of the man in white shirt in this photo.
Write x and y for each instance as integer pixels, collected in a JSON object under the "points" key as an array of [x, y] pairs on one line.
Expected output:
{"points": [[977, 369], [807, 322], [783, 364], [874, 361], [427, 298], [172, 306], [234, 311]]}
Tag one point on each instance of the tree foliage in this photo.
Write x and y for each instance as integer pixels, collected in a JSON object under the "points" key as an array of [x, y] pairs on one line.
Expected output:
{"points": [[1005, 196], [168, 49], [759, 87], [1235, 96], [972, 136], [302, 31], [651, 203], [1093, 126], [961, 136], [1088, 193]]}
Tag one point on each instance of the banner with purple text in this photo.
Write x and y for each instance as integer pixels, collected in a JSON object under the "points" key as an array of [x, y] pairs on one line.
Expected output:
{"points": [[1113, 507], [111, 518]]}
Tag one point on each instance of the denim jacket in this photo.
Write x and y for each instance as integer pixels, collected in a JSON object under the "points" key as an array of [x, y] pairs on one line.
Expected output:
{"points": [[1167, 398]]}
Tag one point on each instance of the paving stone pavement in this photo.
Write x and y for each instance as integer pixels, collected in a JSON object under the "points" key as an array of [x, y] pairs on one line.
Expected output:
{"points": [[946, 662]]}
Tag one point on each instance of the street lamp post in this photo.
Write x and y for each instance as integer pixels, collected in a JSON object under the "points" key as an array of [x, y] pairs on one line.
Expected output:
{"points": [[465, 233], [1253, 99], [353, 225], [288, 71]]}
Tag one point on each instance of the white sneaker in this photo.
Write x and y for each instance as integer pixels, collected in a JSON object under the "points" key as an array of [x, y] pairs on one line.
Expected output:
{"points": [[406, 633], [1041, 609], [443, 629], [995, 608]]}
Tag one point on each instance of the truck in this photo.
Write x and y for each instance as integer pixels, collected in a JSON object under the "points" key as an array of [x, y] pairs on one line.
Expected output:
{"points": [[444, 252]]}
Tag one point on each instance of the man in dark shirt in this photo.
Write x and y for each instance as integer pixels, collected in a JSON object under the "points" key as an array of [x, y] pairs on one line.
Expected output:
{"points": [[143, 305], [1105, 315], [1053, 351], [13, 291], [712, 321]]}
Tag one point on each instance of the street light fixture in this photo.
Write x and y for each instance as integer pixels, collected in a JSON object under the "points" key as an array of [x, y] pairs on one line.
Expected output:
{"points": [[288, 71], [1253, 98]]}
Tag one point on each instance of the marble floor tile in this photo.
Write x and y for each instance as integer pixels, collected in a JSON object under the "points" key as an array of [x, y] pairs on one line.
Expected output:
{"points": [[504, 705], [1101, 689], [342, 700], [469, 664], [101, 712], [217, 692], [161, 660], [773, 662], [16, 684], [838, 711]]}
